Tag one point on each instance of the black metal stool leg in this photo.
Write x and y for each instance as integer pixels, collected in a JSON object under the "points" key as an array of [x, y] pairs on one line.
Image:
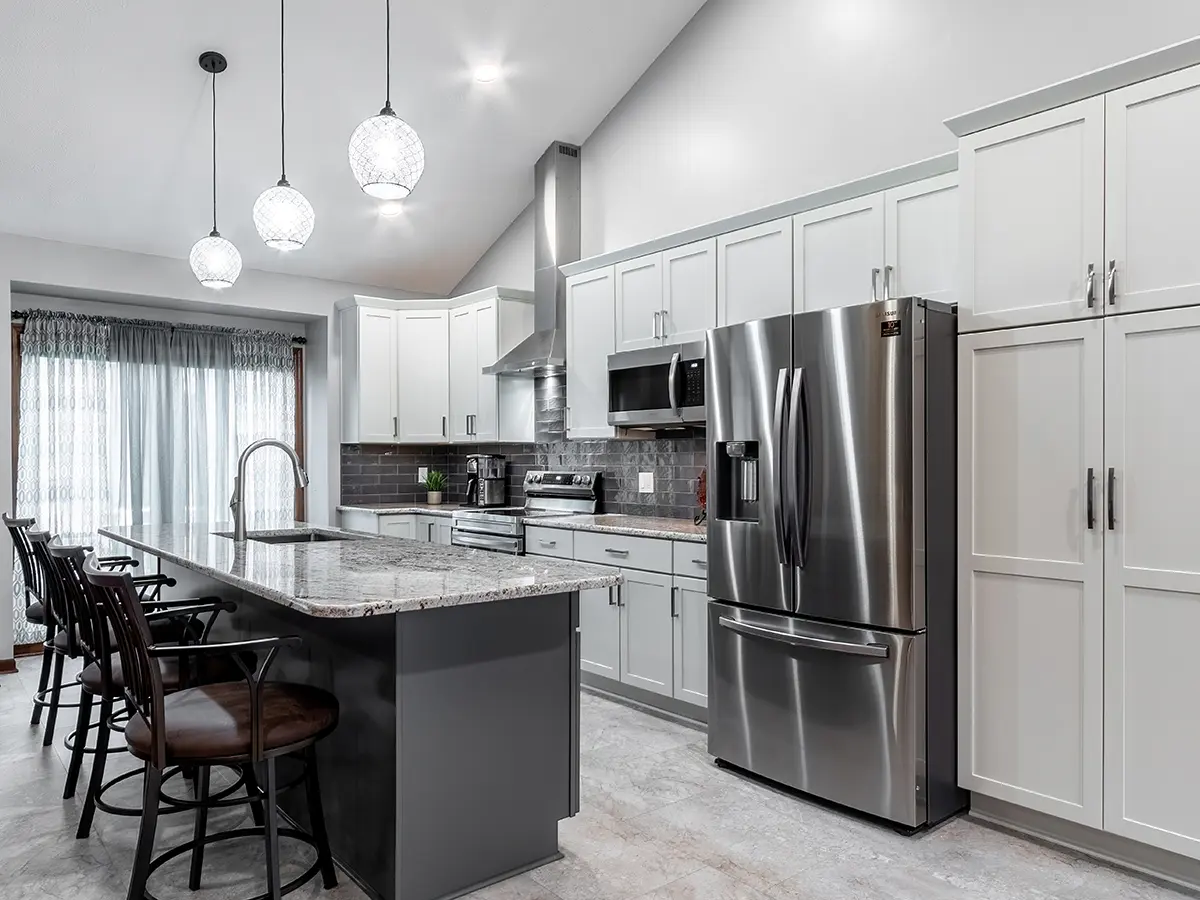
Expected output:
{"points": [[82, 724], [98, 762], [316, 818], [43, 680], [272, 833], [202, 776], [252, 790], [55, 697], [145, 845]]}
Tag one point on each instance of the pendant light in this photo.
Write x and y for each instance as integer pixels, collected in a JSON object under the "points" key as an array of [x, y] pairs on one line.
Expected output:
{"points": [[215, 261], [386, 155], [282, 215]]}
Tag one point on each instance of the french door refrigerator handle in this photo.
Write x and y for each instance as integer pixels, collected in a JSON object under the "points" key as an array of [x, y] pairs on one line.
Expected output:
{"points": [[672, 379], [1091, 506], [800, 512], [781, 535], [879, 651]]}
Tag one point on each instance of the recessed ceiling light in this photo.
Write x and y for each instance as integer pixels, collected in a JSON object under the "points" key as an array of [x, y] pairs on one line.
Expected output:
{"points": [[390, 209], [486, 74]]}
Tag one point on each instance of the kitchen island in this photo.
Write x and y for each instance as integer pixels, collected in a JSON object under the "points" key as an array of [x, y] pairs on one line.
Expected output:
{"points": [[457, 671]]}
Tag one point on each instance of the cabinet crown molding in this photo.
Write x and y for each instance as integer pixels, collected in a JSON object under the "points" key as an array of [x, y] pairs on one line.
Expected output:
{"points": [[492, 293]]}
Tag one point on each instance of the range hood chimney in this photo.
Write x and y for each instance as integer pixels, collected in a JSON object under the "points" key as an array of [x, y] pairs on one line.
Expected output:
{"points": [[555, 243]]}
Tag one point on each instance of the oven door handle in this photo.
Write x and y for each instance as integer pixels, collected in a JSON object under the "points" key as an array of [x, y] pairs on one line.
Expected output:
{"points": [[879, 651], [673, 382], [486, 542]]}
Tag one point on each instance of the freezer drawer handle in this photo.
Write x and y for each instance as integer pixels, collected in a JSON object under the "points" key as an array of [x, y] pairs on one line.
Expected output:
{"points": [[879, 651]]}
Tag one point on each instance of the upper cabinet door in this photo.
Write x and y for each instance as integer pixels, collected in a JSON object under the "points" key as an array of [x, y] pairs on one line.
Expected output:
{"points": [[639, 291], [485, 425], [689, 291], [921, 238], [1031, 568], [377, 376], [754, 273], [422, 359], [1032, 214], [464, 373], [1152, 577], [1152, 231], [839, 253], [591, 337]]}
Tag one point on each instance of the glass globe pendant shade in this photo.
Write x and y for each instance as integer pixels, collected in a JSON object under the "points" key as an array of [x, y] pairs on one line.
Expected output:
{"points": [[215, 261], [283, 217], [386, 156]]}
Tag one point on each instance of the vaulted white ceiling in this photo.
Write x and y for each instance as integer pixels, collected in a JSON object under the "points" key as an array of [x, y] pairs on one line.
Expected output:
{"points": [[105, 119]]}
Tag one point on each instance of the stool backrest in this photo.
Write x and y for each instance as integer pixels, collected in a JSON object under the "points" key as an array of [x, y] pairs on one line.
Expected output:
{"points": [[143, 678], [18, 530], [87, 614], [58, 607]]}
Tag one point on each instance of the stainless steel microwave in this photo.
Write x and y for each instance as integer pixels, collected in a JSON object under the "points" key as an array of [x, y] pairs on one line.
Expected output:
{"points": [[658, 387]]}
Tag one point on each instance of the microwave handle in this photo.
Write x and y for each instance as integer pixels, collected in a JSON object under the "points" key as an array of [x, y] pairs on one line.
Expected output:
{"points": [[672, 383]]}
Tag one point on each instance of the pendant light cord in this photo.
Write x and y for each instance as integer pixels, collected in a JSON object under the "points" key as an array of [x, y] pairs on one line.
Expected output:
{"points": [[214, 142], [388, 60], [282, 107]]}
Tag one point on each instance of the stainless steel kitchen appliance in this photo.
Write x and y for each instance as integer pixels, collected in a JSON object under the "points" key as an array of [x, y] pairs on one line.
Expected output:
{"points": [[487, 480], [831, 555], [660, 387], [546, 494]]}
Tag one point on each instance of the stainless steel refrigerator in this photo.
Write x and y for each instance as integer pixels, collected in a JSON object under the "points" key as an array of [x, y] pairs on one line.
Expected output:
{"points": [[831, 555]]}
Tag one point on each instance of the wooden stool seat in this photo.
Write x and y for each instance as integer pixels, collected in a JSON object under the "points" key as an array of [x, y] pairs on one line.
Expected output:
{"points": [[213, 722]]}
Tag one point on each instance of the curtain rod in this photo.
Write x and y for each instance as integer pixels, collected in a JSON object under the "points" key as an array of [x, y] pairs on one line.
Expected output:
{"points": [[22, 315]]}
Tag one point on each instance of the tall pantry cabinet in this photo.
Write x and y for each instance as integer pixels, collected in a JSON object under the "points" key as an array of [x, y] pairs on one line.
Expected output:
{"points": [[1079, 556]]}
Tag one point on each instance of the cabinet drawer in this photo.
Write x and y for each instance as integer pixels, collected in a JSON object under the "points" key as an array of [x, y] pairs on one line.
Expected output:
{"points": [[549, 542], [649, 554], [690, 559], [398, 526]]}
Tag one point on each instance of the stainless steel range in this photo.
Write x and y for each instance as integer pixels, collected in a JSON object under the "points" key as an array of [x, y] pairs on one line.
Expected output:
{"points": [[546, 494]]}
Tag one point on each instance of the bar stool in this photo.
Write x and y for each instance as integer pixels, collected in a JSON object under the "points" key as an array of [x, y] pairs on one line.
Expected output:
{"points": [[102, 678], [248, 722]]}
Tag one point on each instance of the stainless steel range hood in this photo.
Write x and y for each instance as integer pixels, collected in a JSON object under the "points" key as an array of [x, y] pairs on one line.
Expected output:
{"points": [[555, 243]]}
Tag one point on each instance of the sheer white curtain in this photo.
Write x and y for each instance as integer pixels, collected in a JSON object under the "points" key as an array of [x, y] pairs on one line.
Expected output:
{"points": [[127, 422]]}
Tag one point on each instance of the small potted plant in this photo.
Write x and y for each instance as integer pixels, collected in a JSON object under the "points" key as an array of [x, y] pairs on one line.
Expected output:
{"points": [[435, 483]]}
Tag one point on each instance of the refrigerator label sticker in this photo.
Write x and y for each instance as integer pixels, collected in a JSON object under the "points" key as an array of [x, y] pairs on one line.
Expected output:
{"points": [[889, 328]]}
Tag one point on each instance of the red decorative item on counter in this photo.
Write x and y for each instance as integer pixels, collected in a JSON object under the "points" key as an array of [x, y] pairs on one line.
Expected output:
{"points": [[702, 496]]}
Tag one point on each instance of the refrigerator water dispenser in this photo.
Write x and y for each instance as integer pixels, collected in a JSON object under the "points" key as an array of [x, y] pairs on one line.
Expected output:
{"points": [[736, 497]]}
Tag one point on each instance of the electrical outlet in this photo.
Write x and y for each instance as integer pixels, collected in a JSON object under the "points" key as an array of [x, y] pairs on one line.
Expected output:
{"points": [[422, 473], [645, 482]]}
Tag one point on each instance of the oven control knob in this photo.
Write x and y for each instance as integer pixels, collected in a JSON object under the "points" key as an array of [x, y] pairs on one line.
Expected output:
{"points": [[537, 477], [578, 479], [587, 479]]}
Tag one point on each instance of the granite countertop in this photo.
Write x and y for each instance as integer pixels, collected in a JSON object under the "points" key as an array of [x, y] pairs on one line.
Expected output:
{"points": [[365, 577], [637, 526], [420, 509]]}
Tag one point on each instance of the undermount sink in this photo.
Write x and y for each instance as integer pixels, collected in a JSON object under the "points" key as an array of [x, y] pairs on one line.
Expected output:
{"points": [[293, 537]]}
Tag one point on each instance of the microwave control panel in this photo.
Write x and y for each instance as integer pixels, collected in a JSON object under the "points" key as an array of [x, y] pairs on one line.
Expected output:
{"points": [[693, 382]]}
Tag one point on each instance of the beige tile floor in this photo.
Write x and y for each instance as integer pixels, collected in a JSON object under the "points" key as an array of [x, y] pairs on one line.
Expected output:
{"points": [[659, 822]]}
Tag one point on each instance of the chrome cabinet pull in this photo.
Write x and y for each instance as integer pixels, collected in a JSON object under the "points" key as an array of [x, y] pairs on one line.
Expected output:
{"points": [[1112, 499], [874, 285], [616, 552], [674, 606], [663, 326], [1090, 293], [395, 426], [443, 426], [657, 335], [611, 600], [804, 640], [548, 543], [887, 281], [1112, 282], [702, 563], [1091, 488], [620, 600]]}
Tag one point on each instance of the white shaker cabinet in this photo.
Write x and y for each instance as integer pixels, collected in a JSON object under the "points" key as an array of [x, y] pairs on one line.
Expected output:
{"points": [[838, 253], [1152, 578], [369, 410], [689, 612], [1151, 195], [590, 339], [1031, 200], [754, 273], [689, 291], [1031, 545], [647, 631], [600, 632], [638, 284], [423, 367], [921, 238], [474, 397]]}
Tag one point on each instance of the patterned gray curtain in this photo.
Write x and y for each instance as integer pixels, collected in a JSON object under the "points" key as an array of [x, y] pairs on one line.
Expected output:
{"points": [[129, 421]]}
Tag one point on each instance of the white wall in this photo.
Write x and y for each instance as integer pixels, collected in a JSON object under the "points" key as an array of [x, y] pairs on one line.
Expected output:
{"points": [[759, 101], [507, 263], [168, 288]]}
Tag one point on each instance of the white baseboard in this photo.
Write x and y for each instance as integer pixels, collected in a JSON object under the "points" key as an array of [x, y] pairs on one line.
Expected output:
{"points": [[1163, 865]]}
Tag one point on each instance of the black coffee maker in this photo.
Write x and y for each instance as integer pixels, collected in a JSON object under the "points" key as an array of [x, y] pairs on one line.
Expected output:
{"points": [[487, 482]]}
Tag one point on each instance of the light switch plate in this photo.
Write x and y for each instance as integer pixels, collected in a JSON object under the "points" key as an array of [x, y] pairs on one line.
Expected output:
{"points": [[422, 473], [646, 482]]}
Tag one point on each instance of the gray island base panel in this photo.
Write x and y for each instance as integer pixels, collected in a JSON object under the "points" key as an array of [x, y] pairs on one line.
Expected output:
{"points": [[457, 751]]}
